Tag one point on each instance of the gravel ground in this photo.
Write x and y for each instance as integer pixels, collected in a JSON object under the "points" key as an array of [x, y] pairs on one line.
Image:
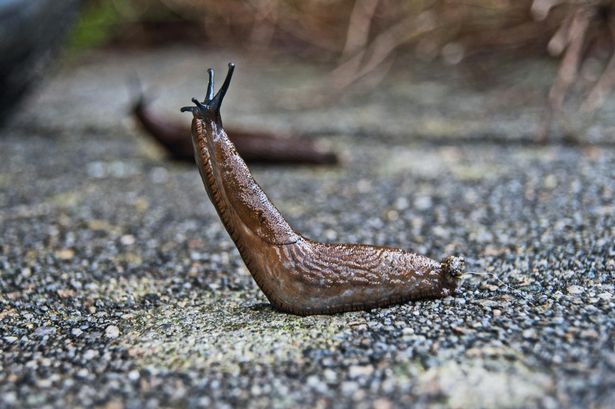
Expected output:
{"points": [[120, 288]]}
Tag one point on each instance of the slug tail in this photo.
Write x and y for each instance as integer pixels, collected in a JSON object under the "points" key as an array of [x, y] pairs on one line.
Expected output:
{"points": [[453, 266]]}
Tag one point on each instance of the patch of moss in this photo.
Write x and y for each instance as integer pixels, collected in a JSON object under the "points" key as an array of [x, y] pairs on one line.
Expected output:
{"points": [[224, 331]]}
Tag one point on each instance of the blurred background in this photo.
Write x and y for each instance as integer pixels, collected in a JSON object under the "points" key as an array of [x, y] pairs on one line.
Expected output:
{"points": [[356, 44]]}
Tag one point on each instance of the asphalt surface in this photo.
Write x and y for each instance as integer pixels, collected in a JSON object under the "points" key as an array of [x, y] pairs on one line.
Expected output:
{"points": [[120, 287]]}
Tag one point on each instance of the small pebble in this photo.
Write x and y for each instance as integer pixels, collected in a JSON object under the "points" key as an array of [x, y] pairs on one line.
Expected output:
{"points": [[112, 331], [575, 289]]}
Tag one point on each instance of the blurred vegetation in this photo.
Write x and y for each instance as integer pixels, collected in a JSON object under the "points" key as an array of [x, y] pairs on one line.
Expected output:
{"points": [[360, 37], [95, 26]]}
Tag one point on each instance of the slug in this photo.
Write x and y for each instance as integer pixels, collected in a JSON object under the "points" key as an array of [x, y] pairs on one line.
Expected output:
{"points": [[298, 275], [253, 146]]}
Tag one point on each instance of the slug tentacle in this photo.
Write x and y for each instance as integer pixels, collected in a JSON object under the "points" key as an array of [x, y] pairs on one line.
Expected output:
{"points": [[188, 109], [298, 275], [216, 102], [210, 108], [210, 85]]}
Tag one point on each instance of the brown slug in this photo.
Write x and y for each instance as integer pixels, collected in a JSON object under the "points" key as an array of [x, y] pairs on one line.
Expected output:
{"points": [[298, 275], [253, 146]]}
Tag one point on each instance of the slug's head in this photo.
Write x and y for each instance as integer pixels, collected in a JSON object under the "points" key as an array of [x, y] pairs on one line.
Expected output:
{"points": [[209, 109], [451, 270]]}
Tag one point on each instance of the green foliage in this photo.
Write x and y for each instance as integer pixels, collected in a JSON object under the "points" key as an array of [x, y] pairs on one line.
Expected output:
{"points": [[95, 26]]}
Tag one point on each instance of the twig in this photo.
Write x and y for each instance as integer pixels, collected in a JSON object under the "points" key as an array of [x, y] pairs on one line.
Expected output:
{"points": [[570, 63], [568, 69], [381, 47], [265, 23], [359, 26], [603, 86]]}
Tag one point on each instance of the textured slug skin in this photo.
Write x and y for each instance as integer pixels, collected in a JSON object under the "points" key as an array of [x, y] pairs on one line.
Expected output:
{"points": [[298, 275]]}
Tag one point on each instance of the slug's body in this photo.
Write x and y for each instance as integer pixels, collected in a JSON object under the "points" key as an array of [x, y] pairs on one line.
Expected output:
{"points": [[296, 274], [254, 147]]}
